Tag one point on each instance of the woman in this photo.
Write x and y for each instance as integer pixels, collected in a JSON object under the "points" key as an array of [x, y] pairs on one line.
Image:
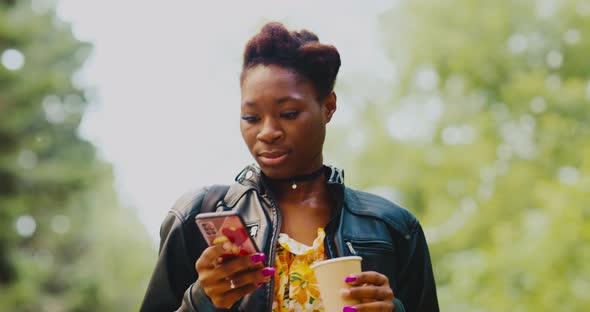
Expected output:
{"points": [[296, 208]]}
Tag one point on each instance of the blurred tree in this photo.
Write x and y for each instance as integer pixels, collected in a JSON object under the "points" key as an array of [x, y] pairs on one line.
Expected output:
{"points": [[65, 242], [486, 137]]}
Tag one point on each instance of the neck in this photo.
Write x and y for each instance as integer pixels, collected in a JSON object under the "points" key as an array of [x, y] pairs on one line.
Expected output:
{"points": [[298, 187]]}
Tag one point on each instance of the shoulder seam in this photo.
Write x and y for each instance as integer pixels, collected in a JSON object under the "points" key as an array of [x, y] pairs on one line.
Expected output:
{"points": [[405, 224], [186, 208], [176, 214]]}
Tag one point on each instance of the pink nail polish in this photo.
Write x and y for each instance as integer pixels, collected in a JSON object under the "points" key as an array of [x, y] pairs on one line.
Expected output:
{"points": [[349, 309], [268, 272], [258, 257], [350, 279]]}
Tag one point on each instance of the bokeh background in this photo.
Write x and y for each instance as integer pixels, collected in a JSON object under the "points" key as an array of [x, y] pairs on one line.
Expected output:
{"points": [[475, 115]]}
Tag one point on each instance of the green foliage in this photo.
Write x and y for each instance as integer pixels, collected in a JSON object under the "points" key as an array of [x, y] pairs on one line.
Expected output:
{"points": [[501, 181], [65, 240]]}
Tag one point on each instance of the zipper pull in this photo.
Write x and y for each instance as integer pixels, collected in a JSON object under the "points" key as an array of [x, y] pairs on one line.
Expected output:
{"points": [[253, 231], [349, 245]]}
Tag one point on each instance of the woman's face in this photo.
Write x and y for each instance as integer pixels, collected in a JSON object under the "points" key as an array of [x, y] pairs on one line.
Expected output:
{"points": [[282, 122]]}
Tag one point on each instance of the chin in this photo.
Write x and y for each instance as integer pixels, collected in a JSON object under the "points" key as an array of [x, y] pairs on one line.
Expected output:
{"points": [[277, 172]]}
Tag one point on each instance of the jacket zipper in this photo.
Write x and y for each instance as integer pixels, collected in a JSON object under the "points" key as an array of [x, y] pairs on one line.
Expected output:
{"points": [[350, 248], [275, 237], [370, 244]]}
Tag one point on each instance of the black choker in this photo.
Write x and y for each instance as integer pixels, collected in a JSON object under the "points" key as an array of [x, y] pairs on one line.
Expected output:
{"points": [[293, 180]]}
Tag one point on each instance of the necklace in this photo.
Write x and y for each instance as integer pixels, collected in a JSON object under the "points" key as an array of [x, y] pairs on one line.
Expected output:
{"points": [[300, 178]]}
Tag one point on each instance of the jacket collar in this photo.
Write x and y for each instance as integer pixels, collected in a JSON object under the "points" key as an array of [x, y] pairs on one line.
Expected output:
{"points": [[250, 178]]}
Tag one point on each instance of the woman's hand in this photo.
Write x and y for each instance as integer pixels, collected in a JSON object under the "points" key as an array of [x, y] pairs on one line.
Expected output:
{"points": [[371, 289], [227, 279]]}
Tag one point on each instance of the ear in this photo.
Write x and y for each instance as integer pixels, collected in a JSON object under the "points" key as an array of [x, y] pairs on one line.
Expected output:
{"points": [[329, 106]]}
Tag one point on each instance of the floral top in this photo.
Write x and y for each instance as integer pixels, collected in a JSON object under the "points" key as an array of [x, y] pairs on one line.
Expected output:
{"points": [[295, 283]]}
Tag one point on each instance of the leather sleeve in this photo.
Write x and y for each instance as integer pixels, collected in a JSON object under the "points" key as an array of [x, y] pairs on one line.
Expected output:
{"points": [[195, 300], [417, 289], [174, 275]]}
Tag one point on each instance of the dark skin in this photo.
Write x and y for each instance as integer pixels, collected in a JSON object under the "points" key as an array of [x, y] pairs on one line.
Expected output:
{"points": [[283, 123], [280, 112]]}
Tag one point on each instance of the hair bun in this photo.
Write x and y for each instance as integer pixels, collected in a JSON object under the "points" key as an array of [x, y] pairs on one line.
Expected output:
{"points": [[297, 50], [273, 41], [305, 36], [322, 61]]}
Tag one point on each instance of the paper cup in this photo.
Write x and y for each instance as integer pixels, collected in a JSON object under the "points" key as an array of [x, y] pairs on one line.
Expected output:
{"points": [[330, 275]]}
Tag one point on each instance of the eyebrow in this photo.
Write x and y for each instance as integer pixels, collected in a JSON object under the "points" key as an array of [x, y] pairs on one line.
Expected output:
{"points": [[280, 100]]}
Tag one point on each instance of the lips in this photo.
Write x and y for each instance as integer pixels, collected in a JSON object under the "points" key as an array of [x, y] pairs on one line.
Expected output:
{"points": [[272, 154], [272, 158]]}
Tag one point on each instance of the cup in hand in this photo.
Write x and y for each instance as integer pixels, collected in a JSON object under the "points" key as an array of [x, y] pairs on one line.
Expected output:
{"points": [[330, 275]]}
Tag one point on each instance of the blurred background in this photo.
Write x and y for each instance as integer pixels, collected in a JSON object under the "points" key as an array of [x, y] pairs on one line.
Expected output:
{"points": [[475, 115]]}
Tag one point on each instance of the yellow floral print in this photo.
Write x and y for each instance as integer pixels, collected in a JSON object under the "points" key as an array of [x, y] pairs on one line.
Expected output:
{"points": [[295, 283]]}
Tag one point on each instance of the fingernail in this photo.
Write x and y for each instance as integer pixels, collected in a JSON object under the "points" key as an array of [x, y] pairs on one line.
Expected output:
{"points": [[258, 257], [227, 246], [350, 279], [349, 309], [345, 292], [268, 271]]}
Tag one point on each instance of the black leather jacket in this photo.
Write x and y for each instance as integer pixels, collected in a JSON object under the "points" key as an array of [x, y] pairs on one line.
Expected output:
{"points": [[388, 238]]}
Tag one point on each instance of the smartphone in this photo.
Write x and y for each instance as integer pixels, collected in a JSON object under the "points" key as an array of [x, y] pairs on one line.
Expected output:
{"points": [[226, 226]]}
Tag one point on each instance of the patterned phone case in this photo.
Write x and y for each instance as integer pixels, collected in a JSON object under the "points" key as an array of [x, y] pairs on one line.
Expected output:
{"points": [[218, 228]]}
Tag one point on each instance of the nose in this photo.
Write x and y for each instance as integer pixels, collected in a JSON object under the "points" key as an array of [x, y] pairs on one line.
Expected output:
{"points": [[270, 132]]}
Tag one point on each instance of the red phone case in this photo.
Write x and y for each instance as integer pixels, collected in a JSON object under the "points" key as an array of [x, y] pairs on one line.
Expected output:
{"points": [[218, 228]]}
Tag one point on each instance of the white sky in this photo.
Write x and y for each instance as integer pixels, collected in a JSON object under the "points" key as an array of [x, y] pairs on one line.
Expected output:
{"points": [[166, 77]]}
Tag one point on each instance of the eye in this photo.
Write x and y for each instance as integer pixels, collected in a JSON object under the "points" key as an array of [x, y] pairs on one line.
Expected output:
{"points": [[290, 115], [250, 119]]}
